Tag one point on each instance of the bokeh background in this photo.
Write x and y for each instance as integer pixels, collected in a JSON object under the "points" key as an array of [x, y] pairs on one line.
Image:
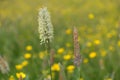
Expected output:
{"points": [[98, 24]]}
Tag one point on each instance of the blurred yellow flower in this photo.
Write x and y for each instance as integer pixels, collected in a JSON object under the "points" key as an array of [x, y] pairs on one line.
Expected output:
{"points": [[41, 55], [68, 44], [61, 50], [24, 63], [27, 55], [96, 42], [109, 35], [18, 67], [103, 53], [85, 60], [111, 48], [81, 79], [29, 48], [11, 77], [21, 74], [108, 79], [92, 55], [67, 57], [70, 68], [55, 67], [91, 16], [49, 77], [68, 31], [119, 43], [89, 44], [113, 32]]}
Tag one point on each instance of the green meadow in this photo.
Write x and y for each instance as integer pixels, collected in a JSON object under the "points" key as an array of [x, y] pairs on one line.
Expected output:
{"points": [[98, 25]]}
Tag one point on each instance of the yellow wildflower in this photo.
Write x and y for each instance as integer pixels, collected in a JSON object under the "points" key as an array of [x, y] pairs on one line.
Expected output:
{"points": [[24, 63], [97, 42], [27, 55], [111, 48], [103, 53], [29, 48], [61, 50], [91, 16], [85, 60], [89, 44], [41, 55], [21, 74], [109, 35], [49, 77], [11, 77], [18, 67], [70, 68], [81, 79], [119, 43], [108, 79], [92, 55], [55, 67], [67, 57], [68, 44], [113, 32], [68, 31]]}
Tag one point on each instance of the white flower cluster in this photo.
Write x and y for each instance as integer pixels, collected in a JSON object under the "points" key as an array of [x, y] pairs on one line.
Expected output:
{"points": [[45, 28], [4, 67]]}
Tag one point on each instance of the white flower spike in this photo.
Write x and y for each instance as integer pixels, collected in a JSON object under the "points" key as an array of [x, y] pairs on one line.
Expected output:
{"points": [[45, 28]]}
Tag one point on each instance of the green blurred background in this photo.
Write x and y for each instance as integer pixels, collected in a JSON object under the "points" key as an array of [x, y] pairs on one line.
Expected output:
{"points": [[95, 20]]}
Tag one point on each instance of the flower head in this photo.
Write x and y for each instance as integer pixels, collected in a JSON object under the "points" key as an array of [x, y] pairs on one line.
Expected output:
{"points": [[18, 67], [21, 75], [68, 31], [60, 50], [27, 55], [118, 43], [89, 44], [29, 48], [92, 55], [45, 28], [11, 77], [67, 57], [77, 56], [81, 79], [91, 16], [70, 68], [55, 67], [24, 63], [85, 60], [97, 42]]}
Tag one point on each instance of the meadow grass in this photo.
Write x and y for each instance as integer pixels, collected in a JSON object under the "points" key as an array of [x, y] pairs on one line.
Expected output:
{"points": [[98, 25]]}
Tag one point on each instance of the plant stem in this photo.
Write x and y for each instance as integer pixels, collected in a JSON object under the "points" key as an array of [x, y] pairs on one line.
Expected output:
{"points": [[62, 72], [49, 56]]}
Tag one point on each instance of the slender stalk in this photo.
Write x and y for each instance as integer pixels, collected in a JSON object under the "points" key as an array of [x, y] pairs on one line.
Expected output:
{"points": [[77, 56], [49, 56], [52, 56], [62, 72], [20, 77]]}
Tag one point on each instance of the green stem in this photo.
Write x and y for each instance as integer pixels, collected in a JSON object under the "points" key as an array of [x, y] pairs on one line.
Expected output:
{"points": [[79, 72], [48, 51], [62, 71]]}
